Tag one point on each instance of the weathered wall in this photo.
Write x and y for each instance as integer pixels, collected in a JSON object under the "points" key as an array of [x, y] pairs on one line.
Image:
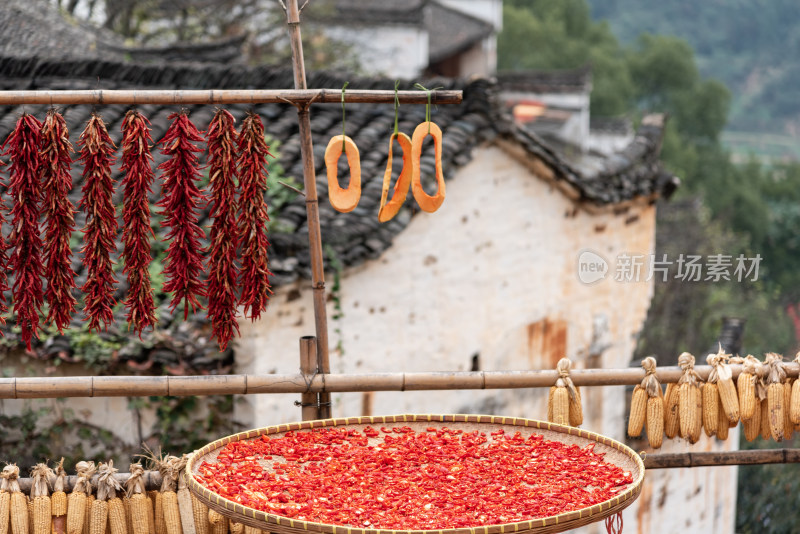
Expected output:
{"points": [[395, 51]]}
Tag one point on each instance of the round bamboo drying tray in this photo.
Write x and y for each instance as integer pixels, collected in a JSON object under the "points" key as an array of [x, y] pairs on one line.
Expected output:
{"points": [[615, 453]]}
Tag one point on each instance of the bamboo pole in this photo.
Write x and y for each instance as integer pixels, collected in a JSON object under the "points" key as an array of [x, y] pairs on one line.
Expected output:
{"points": [[312, 206], [142, 386], [710, 459], [309, 401], [300, 97], [675, 460]]}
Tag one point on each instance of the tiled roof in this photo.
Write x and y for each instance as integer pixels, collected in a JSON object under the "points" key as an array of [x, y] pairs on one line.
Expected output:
{"points": [[369, 12], [451, 31], [182, 347], [547, 81]]}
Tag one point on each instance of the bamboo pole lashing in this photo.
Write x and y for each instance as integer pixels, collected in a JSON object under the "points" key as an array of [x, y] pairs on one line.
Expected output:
{"points": [[309, 401], [141, 386], [301, 97]]}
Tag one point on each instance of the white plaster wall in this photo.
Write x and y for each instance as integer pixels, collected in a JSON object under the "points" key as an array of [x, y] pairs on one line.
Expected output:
{"points": [[490, 11], [480, 60], [393, 50]]}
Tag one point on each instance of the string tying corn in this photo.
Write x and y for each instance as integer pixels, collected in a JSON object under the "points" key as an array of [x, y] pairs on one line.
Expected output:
{"points": [[140, 507], [775, 395], [108, 507], [40, 500], [78, 499], [689, 399], [575, 406], [560, 400]]}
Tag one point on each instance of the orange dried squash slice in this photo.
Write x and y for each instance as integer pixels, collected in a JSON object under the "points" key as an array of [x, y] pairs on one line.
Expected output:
{"points": [[427, 202], [343, 200], [390, 209]]}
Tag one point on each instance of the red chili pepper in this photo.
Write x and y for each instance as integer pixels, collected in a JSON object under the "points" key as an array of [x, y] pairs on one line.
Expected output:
{"points": [[97, 151], [136, 230], [181, 200], [224, 233], [59, 219], [25, 240]]}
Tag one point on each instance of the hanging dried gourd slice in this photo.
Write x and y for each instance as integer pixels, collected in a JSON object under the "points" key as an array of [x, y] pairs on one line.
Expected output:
{"points": [[343, 200], [427, 202], [390, 209]]}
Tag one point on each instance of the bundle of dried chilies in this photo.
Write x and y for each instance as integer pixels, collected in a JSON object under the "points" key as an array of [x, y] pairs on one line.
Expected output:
{"points": [[136, 231], [180, 203], [97, 151]]}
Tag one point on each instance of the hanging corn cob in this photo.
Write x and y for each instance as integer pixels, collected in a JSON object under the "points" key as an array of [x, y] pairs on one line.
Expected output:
{"points": [[58, 500], [788, 426], [168, 467], [40, 500], [655, 404], [77, 507], [184, 497], [711, 402], [564, 404], [159, 526], [139, 505], [638, 411], [746, 388], [236, 528], [724, 379], [18, 503], [794, 404], [671, 410], [200, 514], [775, 395], [690, 400], [723, 423], [752, 426], [219, 523], [108, 507], [87, 523], [5, 499]]}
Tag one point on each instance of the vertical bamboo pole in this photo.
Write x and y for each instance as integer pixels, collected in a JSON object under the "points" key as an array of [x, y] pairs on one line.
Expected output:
{"points": [[312, 204], [308, 366]]}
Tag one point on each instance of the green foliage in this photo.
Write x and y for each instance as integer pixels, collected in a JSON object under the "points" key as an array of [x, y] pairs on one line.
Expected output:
{"points": [[184, 424], [278, 195]]}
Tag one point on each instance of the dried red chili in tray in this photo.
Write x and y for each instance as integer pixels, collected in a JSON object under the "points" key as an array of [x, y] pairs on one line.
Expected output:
{"points": [[97, 155], [182, 198], [254, 273], [224, 234], [136, 230], [25, 240], [407, 480], [59, 215]]}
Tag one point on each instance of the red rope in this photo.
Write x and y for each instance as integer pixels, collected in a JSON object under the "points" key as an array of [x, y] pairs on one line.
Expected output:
{"points": [[614, 524]]}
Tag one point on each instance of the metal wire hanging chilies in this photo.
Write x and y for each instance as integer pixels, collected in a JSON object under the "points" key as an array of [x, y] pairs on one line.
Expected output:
{"points": [[343, 200]]}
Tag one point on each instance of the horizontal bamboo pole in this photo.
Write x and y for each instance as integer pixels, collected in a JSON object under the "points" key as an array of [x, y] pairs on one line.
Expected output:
{"points": [[226, 96], [152, 479], [711, 459], [145, 386]]}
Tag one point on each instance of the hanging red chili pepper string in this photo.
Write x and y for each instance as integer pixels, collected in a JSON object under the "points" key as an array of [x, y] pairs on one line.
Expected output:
{"points": [[59, 219], [224, 239], [25, 240], [97, 155], [3, 265], [136, 231], [181, 199], [254, 273]]}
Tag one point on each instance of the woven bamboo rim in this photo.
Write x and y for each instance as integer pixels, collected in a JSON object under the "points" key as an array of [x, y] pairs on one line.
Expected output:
{"points": [[615, 452]]}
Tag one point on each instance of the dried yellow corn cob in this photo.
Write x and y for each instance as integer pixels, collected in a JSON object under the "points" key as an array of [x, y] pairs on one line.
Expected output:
{"points": [[794, 403], [90, 499], [746, 388], [116, 516], [690, 399], [5, 497], [77, 501], [158, 514], [236, 528], [711, 404], [140, 509], [126, 504], [98, 517], [671, 411], [215, 518], [775, 395], [58, 500], [221, 527], [788, 427], [550, 403], [752, 426], [200, 513], [655, 421], [40, 506], [723, 376], [576, 408], [722, 422], [561, 405], [172, 515], [18, 504], [638, 411]]}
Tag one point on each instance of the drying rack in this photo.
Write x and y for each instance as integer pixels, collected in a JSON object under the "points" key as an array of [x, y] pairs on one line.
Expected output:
{"points": [[315, 382]]}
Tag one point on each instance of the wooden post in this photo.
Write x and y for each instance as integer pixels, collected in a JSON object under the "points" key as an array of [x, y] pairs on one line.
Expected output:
{"points": [[312, 205], [308, 366]]}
